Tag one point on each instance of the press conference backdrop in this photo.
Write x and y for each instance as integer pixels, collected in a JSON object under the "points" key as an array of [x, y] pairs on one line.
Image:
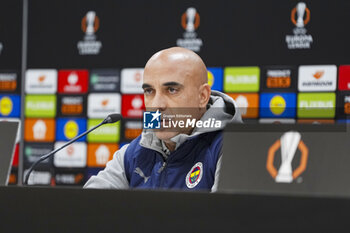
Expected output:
{"points": [[65, 65]]}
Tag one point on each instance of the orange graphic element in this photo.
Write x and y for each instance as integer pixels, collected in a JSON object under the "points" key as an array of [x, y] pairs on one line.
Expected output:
{"points": [[78, 178], [39, 130], [278, 82], [248, 103], [104, 102], [293, 13], [12, 179], [72, 109], [100, 154], [271, 157], [70, 150], [84, 24], [184, 21], [42, 78], [137, 77], [132, 133], [347, 108], [316, 121], [318, 74], [8, 85]]}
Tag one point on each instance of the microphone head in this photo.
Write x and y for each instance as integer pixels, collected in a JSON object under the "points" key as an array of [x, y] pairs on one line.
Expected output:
{"points": [[112, 118]]}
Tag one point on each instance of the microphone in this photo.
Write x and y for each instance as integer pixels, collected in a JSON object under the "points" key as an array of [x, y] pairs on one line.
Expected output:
{"points": [[111, 118]]}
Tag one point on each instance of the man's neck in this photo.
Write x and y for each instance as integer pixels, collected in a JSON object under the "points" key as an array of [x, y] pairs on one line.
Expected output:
{"points": [[170, 145]]}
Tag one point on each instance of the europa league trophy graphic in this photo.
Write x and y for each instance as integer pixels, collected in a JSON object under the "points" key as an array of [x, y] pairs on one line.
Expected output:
{"points": [[289, 145], [300, 14], [90, 21], [191, 14]]}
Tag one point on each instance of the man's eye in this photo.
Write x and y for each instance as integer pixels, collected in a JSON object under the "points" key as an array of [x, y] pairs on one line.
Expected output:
{"points": [[148, 91], [172, 90]]}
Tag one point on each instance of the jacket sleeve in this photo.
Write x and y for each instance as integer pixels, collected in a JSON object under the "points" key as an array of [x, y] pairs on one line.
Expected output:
{"points": [[113, 176]]}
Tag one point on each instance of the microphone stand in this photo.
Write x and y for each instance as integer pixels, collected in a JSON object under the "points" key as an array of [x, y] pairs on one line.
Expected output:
{"points": [[42, 158]]}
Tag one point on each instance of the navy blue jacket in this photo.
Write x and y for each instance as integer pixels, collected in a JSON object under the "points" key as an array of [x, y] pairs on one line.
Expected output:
{"points": [[191, 166]]}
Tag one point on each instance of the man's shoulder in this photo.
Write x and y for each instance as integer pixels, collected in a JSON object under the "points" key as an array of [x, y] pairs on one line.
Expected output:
{"points": [[133, 147]]}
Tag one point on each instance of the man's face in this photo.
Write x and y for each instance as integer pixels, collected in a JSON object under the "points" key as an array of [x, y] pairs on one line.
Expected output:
{"points": [[170, 89]]}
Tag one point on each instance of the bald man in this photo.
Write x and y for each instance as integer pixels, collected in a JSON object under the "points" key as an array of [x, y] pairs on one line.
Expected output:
{"points": [[173, 157]]}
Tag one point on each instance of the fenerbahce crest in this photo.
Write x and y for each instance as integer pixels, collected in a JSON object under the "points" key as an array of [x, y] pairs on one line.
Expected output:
{"points": [[289, 143], [194, 176]]}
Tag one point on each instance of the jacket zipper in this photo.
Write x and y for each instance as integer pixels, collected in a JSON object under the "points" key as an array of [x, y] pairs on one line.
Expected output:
{"points": [[164, 157], [163, 166]]}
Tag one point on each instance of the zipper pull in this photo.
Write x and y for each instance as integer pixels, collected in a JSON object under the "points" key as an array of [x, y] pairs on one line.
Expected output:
{"points": [[162, 167]]}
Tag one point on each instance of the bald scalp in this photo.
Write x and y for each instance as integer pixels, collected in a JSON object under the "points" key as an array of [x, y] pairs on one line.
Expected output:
{"points": [[177, 59]]}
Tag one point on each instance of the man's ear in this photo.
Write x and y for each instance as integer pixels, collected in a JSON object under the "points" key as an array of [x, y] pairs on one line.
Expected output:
{"points": [[204, 95]]}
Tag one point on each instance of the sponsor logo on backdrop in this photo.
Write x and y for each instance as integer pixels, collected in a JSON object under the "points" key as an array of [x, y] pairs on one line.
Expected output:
{"points": [[132, 79], [316, 105], [71, 129], [39, 177], [104, 134], [278, 78], [73, 81], [72, 105], [67, 129], [41, 81], [69, 179], [248, 104], [132, 129], [317, 78], [39, 130], [190, 21], [89, 25], [300, 17], [344, 78], [132, 106], [105, 81], [347, 105], [288, 145], [71, 156], [10, 105], [277, 105], [33, 151], [101, 105], [40, 106], [195, 175], [100, 154], [6, 106], [241, 79], [8, 82], [215, 78]]}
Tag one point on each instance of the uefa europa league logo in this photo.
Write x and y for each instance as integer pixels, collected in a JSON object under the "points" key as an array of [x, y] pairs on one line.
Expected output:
{"points": [[90, 21], [300, 14], [191, 13], [289, 143]]}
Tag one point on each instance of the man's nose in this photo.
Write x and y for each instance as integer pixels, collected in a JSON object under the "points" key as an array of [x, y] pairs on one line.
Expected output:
{"points": [[159, 102]]}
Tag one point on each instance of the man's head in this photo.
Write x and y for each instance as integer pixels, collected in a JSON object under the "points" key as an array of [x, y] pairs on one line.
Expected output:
{"points": [[175, 78]]}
